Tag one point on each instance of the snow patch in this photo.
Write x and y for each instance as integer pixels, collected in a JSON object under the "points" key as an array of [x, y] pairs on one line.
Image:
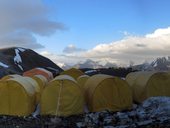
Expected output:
{"points": [[90, 71], [157, 106], [3, 65], [17, 57], [37, 111], [21, 49], [20, 67]]}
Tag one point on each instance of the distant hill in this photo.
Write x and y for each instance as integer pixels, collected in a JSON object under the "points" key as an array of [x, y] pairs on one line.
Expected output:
{"points": [[16, 60]]}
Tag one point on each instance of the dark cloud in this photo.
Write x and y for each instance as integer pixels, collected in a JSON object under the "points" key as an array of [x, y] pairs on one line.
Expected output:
{"points": [[20, 20], [141, 45], [21, 39], [72, 49]]}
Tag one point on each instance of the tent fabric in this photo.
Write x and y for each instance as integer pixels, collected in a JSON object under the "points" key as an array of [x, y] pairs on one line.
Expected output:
{"points": [[39, 71], [49, 73], [62, 97], [17, 97], [65, 77], [130, 78], [73, 72], [41, 80], [35, 86], [10, 76], [105, 92], [149, 84], [81, 80]]}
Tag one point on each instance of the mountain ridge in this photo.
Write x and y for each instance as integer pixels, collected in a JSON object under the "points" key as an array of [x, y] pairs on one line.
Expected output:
{"points": [[159, 64]]}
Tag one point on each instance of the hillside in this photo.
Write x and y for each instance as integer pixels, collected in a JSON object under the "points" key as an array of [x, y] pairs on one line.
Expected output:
{"points": [[16, 60]]}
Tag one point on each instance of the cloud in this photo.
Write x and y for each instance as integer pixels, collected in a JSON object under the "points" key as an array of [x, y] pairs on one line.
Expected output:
{"points": [[62, 58], [22, 39], [141, 45], [159, 32], [20, 20], [136, 49], [72, 49]]}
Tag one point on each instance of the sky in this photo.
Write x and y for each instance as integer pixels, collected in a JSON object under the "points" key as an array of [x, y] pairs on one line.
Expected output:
{"points": [[70, 31]]}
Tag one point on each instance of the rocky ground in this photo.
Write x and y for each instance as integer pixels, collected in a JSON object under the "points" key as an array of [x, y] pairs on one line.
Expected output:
{"points": [[153, 113]]}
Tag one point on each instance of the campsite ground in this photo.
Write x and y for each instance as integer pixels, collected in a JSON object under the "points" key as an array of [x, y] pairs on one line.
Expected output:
{"points": [[153, 113]]}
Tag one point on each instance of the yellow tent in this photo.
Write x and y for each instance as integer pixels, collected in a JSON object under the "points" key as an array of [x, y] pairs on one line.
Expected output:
{"points": [[73, 72], [62, 97], [41, 80], [81, 80], [35, 86], [17, 97], [148, 84], [104, 92], [130, 78], [10, 76]]}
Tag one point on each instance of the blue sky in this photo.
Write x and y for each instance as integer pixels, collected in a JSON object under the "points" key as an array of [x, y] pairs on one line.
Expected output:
{"points": [[70, 31], [90, 22]]}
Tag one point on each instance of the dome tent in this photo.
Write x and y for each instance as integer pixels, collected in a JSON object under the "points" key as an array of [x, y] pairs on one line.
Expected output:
{"points": [[39, 71], [41, 80], [104, 92], [10, 76], [28, 79], [62, 97], [73, 72], [131, 77], [35, 86], [149, 84], [17, 97], [81, 80]]}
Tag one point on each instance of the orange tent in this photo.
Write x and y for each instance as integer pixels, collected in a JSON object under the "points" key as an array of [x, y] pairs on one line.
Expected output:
{"points": [[39, 71]]}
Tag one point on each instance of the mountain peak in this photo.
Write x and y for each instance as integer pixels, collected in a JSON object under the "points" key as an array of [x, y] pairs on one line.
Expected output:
{"points": [[16, 60]]}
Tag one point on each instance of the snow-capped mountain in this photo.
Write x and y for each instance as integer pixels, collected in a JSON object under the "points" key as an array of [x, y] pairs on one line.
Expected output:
{"points": [[93, 64], [159, 64], [16, 60], [88, 64]]}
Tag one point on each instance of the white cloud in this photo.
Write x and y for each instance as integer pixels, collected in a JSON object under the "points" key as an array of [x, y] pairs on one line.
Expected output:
{"points": [[159, 32], [20, 20], [60, 59], [137, 49]]}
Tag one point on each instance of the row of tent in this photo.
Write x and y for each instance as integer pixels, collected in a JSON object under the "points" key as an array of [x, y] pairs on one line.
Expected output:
{"points": [[19, 95], [148, 84], [65, 96], [72, 92], [103, 92]]}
